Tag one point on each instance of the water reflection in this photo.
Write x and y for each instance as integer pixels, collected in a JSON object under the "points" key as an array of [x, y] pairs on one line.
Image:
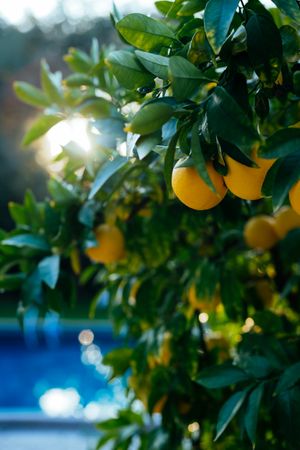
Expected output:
{"points": [[68, 402], [60, 402]]}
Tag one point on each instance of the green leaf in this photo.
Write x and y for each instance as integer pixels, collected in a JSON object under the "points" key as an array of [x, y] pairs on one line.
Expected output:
{"points": [[288, 413], [251, 414], [17, 213], [221, 376], [49, 270], [191, 7], [186, 78], [199, 49], [79, 61], [127, 69], [264, 46], [30, 94], [151, 118], [50, 84], [118, 360], [287, 174], [281, 143], [169, 9], [289, 7], [232, 293], [108, 169], [255, 365], [227, 120], [290, 43], [145, 144], [198, 157], [62, 193], [268, 184], [145, 33], [78, 80], [40, 127], [164, 6], [218, 16], [229, 410], [289, 377], [231, 150], [156, 64], [11, 282], [169, 160], [27, 240], [97, 108]]}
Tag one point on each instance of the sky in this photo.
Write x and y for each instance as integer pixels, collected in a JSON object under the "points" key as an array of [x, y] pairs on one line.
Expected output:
{"points": [[16, 12]]}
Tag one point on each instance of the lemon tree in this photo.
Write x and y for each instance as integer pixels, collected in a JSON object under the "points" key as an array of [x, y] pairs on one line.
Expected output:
{"points": [[181, 221]]}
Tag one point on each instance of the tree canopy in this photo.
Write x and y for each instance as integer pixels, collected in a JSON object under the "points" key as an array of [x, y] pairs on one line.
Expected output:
{"points": [[203, 100]]}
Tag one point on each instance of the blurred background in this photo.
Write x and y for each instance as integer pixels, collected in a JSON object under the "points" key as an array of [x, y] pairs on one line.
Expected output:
{"points": [[52, 371], [29, 31]]}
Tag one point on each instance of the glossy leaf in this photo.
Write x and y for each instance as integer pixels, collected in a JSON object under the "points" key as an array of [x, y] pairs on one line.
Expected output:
{"points": [[119, 360], [198, 157], [156, 64], [40, 127], [27, 240], [289, 377], [62, 192], [251, 414], [30, 94], [127, 69], [151, 118], [97, 108], [106, 171], [199, 51], [255, 366], [264, 46], [49, 270], [191, 7], [186, 78], [218, 16], [169, 160], [229, 410], [146, 144], [221, 376], [229, 121], [287, 174], [281, 143], [289, 7], [290, 42], [50, 84], [145, 33]]}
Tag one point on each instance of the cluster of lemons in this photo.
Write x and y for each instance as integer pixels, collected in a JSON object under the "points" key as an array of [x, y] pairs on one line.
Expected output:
{"points": [[242, 181], [262, 232]]}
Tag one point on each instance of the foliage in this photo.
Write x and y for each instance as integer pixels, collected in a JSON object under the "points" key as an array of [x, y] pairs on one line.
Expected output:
{"points": [[200, 86]]}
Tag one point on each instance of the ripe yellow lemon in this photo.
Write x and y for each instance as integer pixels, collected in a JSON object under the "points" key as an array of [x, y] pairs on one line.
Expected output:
{"points": [[294, 196], [191, 190], [259, 232], [286, 219], [246, 182], [111, 246]]}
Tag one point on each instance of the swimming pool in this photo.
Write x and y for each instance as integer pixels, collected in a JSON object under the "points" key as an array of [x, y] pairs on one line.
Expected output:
{"points": [[56, 370]]}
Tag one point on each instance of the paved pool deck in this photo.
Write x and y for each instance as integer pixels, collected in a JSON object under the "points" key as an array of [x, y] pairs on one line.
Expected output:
{"points": [[47, 435]]}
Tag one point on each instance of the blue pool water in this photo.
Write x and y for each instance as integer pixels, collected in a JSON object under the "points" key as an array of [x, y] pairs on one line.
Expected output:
{"points": [[49, 370]]}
